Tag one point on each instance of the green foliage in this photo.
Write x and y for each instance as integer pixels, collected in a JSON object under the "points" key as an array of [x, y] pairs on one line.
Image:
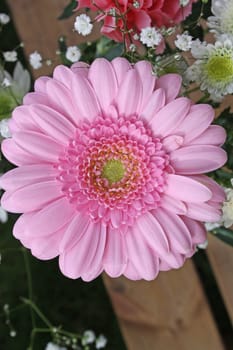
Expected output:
{"points": [[224, 234], [69, 10]]}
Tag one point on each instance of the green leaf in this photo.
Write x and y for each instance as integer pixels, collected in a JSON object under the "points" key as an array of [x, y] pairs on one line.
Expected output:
{"points": [[224, 234], [69, 10]]}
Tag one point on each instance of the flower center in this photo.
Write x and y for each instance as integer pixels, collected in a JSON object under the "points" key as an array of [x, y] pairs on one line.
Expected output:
{"points": [[220, 68], [113, 171]]}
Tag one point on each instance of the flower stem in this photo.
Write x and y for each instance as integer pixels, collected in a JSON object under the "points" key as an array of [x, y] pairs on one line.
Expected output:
{"points": [[29, 282]]}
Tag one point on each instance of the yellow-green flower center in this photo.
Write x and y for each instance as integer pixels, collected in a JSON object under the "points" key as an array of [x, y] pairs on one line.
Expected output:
{"points": [[113, 171], [220, 68]]}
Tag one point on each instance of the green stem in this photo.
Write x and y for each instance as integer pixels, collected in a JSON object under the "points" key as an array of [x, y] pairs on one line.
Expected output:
{"points": [[38, 312], [29, 282]]}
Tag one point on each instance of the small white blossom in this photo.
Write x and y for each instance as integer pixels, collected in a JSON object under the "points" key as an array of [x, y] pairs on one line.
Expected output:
{"points": [[227, 209], [52, 346], [184, 3], [183, 42], [4, 128], [3, 215], [132, 47], [83, 24], [88, 337], [136, 36], [35, 60], [221, 22], [10, 56], [6, 82], [101, 342], [150, 36], [4, 18], [73, 54], [48, 62], [210, 226], [203, 245]]}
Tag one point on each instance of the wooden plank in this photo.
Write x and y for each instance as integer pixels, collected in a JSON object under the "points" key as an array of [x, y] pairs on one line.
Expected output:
{"points": [[39, 29], [221, 258], [168, 313]]}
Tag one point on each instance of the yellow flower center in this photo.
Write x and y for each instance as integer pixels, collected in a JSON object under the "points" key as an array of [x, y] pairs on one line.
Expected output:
{"points": [[220, 68], [113, 171]]}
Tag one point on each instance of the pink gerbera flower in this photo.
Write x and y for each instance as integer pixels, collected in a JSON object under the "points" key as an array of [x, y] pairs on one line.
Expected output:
{"points": [[109, 170]]}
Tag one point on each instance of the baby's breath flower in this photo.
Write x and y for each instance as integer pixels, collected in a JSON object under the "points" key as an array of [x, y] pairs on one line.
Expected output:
{"points": [[227, 209], [101, 342], [6, 83], [132, 47], [83, 24], [213, 67], [3, 215], [183, 42], [10, 56], [150, 36], [88, 337], [52, 346], [5, 132], [4, 18], [73, 54], [35, 60]]}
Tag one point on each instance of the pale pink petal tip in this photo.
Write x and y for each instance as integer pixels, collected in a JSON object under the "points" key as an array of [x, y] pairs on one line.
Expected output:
{"points": [[110, 171]]}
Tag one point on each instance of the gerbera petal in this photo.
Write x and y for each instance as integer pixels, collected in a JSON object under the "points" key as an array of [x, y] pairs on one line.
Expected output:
{"points": [[80, 68], [26, 175], [176, 231], [121, 67], [218, 193], [197, 159], [74, 231], [186, 189], [146, 263], [53, 123], [31, 197], [46, 248], [51, 218], [85, 98], [174, 205], [171, 84], [203, 212], [35, 98], [39, 145], [155, 102], [196, 122], [115, 256], [197, 230], [148, 80], [103, 79], [169, 117], [129, 96], [23, 119], [40, 84], [76, 261], [214, 135], [172, 260], [63, 74], [16, 154]]}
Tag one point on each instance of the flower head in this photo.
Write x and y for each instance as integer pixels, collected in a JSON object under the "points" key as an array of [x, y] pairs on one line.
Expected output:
{"points": [[4, 19], [110, 170], [10, 56], [221, 22], [130, 17], [213, 67], [150, 36], [35, 60], [83, 24], [73, 54]]}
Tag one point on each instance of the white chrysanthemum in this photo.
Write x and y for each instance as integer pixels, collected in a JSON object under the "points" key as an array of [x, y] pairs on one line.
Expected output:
{"points": [[150, 36], [227, 209], [222, 21], [4, 128], [4, 18], [73, 54], [35, 60], [213, 68], [101, 342], [183, 42], [10, 56], [83, 24]]}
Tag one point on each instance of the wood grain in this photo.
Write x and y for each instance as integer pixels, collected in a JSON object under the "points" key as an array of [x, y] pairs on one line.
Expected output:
{"points": [[168, 313], [221, 258], [39, 29]]}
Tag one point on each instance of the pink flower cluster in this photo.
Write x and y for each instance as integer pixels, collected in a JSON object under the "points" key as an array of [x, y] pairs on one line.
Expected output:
{"points": [[131, 16]]}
